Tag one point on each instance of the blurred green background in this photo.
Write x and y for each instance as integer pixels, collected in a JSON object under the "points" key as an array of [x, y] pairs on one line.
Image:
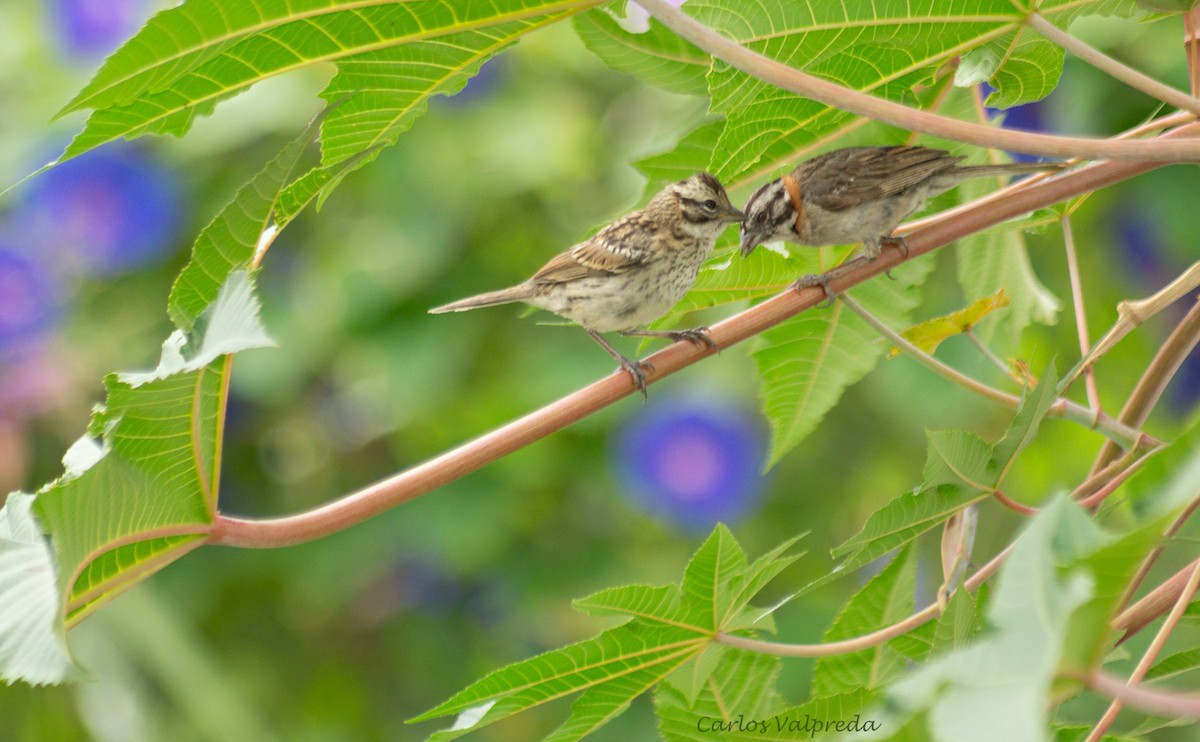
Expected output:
{"points": [[347, 637]]}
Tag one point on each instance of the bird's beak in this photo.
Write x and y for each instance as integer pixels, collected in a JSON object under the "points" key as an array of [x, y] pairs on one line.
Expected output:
{"points": [[749, 241], [734, 215]]}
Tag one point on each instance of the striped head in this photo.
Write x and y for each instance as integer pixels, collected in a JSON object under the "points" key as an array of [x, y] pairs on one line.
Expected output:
{"points": [[703, 205], [770, 215]]}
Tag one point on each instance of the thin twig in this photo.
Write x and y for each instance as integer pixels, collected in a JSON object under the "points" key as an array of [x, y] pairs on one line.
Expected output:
{"points": [[989, 354], [863, 104], [1093, 393], [1154, 702], [1131, 314], [1191, 46], [1136, 457], [1147, 660], [1151, 558], [1117, 70], [1134, 618], [1061, 407], [1154, 381], [418, 480]]}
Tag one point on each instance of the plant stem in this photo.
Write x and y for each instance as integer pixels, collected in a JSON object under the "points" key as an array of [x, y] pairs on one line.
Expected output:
{"points": [[863, 104], [1191, 47], [1061, 407], [1093, 394], [1153, 702], [866, 641], [1134, 618], [1158, 374], [416, 481], [1148, 658], [1148, 563], [988, 353], [1131, 314], [1117, 70]]}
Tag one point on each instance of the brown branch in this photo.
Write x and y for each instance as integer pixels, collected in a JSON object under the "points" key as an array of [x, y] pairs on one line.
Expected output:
{"points": [[1157, 602], [1143, 665], [423, 478], [1156, 702], [1155, 379], [896, 114], [1148, 563], [1117, 70]]}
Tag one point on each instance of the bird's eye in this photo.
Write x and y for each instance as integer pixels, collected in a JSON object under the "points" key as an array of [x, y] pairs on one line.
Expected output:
{"points": [[710, 204]]}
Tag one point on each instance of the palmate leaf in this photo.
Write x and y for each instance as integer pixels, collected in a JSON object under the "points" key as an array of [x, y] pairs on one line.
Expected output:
{"points": [[656, 56], [960, 469], [807, 362], [887, 598], [140, 489], [740, 689], [885, 48], [996, 688], [669, 636], [188, 58]]}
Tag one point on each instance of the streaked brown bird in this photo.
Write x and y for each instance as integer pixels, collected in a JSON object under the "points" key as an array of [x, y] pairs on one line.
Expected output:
{"points": [[631, 271], [858, 194]]}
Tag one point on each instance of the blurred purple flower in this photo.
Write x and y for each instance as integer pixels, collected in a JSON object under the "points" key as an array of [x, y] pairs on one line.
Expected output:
{"points": [[490, 76], [94, 28], [28, 296], [111, 210], [1141, 243], [1028, 117], [693, 462]]}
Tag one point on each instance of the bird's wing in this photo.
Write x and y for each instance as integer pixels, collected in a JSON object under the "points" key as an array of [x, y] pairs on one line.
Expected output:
{"points": [[846, 178], [615, 249]]}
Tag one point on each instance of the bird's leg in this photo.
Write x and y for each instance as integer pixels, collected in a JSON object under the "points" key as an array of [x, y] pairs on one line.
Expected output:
{"points": [[823, 279], [698, 336], [636, 369], [873, 248]]}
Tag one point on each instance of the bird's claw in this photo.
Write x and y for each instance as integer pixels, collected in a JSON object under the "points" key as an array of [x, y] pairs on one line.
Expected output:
{"points": [[816, 279], [638, 369], [698, 336]]}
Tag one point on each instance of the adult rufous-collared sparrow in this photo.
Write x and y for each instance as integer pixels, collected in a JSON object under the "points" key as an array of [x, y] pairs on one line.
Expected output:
{"points": [[858, 194]]}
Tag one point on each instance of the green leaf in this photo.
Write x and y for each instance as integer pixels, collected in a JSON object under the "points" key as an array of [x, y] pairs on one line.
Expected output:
{"points": [[1034, 406], [996, 688], [636, 649], [807, 362], [188, 58], [706, 581], [1177, 664], [883, 601], [230, 239], [656, 56], [670, 636], [32, 647], [960, 469], [742, 686], [931, 333], [149, 497], [991, 261], [885, 48]]}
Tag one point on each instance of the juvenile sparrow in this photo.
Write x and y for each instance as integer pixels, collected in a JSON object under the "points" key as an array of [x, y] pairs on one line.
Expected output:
{"points": [[631, 271], [858, 194]]}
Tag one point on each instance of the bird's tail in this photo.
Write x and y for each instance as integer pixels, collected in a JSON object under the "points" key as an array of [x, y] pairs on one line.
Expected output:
{"points": [[1013, 168], [520, 292]]}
